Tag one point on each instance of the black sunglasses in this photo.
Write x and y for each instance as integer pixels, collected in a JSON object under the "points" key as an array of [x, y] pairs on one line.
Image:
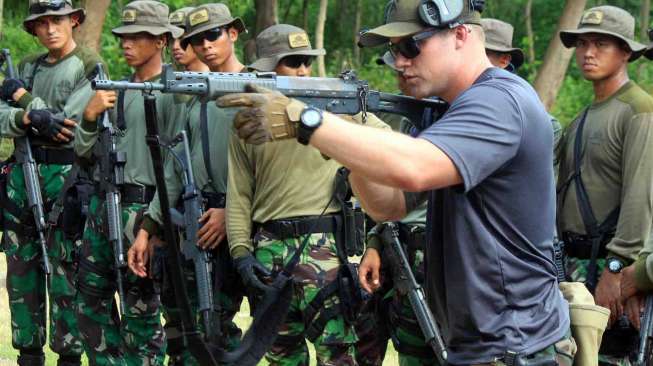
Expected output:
{"points": [[296, 61], [409, 47], [43, 6], [210, 35]]}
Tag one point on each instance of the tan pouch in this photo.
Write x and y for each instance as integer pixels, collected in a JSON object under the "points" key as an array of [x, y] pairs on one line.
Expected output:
{"points": [[588, 322]]}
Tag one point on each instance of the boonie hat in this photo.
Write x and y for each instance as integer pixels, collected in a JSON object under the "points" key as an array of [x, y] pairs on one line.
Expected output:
{"points": [[498, 38], [178, 17], [41, 8], [403, 19], [210, 16], [609, 20], [279, 41], [146, 16]]}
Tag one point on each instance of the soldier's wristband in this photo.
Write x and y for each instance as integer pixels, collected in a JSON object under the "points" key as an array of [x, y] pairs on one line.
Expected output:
{"points": [[239, 252], [152, 227], [87, 125], [25, 100], [18, 120]]}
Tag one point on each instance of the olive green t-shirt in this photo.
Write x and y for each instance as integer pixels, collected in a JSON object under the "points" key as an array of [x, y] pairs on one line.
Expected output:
{"points": [[277, 180], [63, 86], [138, 167], [219, 121], [616, 168]]}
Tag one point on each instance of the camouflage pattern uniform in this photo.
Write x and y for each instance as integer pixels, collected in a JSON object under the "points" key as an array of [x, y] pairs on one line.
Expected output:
{"points": [[137, 338], [616, 173], [64, 88]]}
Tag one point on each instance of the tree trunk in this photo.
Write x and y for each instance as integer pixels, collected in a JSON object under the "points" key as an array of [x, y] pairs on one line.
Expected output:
{"points": [[1, 14], [266, 16], [645, 17], [319, 36], [89, 34], [305, 14], [556, 61], [357, 27], [529, 32]]}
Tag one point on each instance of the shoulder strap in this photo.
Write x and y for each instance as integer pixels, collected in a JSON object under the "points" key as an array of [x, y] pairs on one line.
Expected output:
{"points": [[30, 81], [204, 130], [120, 105]]}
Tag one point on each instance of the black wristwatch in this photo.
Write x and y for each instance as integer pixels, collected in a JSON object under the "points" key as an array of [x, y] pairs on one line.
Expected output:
{"points": [[309, 121], [615, 265]]}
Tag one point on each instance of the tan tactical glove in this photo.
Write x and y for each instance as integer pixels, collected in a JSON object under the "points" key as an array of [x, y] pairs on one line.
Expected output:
{"points": [[268, 115]]}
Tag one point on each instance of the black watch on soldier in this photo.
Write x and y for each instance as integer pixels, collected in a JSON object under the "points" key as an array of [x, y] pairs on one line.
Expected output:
{"points": [[309, 121], [615, 265]]}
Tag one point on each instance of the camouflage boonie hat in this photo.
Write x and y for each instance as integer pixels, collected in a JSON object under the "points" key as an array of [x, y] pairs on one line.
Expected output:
{"points": [[279, 41], [608, 20], [178, 17], [402, 19], [146, 16], [210, 16], [42, 8], [498, 38]]}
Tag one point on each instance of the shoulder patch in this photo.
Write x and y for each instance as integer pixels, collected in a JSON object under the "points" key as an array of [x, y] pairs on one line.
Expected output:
{"points": [[29, 59]]}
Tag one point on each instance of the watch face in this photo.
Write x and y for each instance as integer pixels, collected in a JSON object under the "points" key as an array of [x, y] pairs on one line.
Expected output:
{"points": [[311, 117], [614, 266]]}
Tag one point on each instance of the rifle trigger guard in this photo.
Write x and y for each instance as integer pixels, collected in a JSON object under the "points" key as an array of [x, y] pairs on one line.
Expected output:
{"points": [[362, 97]]}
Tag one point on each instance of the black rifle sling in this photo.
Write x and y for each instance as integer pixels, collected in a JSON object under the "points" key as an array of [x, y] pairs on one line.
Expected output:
{"points": [[593, 230], [193, 338], [204, 130]]}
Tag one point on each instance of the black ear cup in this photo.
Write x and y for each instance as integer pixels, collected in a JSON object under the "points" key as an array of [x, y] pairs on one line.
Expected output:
{"points": [[441, 13]]}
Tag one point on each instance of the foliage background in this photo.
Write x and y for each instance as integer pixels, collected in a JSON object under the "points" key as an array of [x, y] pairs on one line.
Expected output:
{"points": [[340, 33]]}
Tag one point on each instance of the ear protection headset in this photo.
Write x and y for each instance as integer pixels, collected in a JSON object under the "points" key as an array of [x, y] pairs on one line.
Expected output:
{"points": [[446, 13]]}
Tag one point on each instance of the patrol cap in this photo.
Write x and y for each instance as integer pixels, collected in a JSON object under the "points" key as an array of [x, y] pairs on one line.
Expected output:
{"points": [[498, 38], [42, 8], [178, 17], [403, 18], [210, 16], [146, 16], [608, 20], [279, 41]]}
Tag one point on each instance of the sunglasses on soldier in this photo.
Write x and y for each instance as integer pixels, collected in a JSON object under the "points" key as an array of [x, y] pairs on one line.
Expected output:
{"points": [[409, 47], [296, 61], [210, 35], [43, 6]]}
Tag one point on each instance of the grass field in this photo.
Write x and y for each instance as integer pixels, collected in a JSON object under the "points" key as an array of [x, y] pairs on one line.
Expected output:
{"points": [[8, 354]]}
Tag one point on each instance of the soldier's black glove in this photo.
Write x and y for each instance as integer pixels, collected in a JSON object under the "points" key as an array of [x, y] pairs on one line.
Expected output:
{"points": [[250, 269], [9, 87], [45, 124]]}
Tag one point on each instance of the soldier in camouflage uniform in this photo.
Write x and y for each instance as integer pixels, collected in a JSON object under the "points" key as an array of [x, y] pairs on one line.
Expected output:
{"points": [[276, 187], [137, 338], [612, 152], [209, 140], [184, 57], [58, 81]]}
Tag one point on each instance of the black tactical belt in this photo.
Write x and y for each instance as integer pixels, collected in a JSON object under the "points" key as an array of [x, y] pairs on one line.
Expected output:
{"points": [[44, 155], [296, 227], [580, 246], [132, 193], [214, 200], [412, 236]]}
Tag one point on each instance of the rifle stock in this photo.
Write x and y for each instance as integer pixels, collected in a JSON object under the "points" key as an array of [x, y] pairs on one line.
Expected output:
{"points": [[31, 177], [344, 95]]}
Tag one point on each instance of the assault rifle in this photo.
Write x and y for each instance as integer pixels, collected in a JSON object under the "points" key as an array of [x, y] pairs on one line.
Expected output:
{"points": [[344, 95], [111, 168], [408, 285], [189, 220], [646, 334], [23, 152]]}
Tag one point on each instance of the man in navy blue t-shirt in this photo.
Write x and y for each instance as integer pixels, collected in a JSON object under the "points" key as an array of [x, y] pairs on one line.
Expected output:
{"points": [[485, 169]]}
